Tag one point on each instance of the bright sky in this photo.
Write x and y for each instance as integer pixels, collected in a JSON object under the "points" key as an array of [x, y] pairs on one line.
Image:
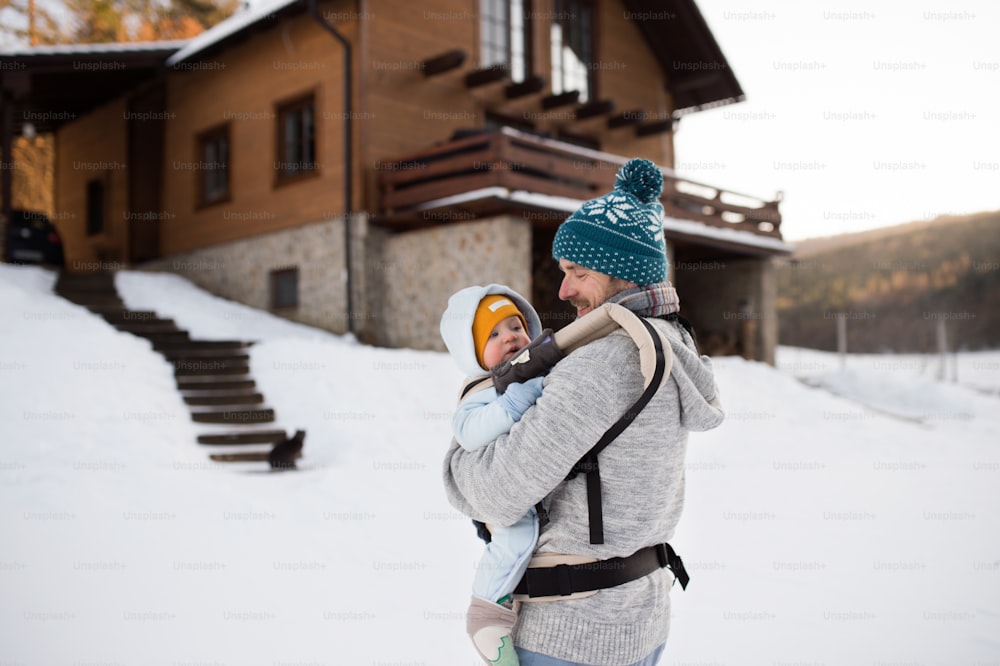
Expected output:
{"points": [[865, 114]]}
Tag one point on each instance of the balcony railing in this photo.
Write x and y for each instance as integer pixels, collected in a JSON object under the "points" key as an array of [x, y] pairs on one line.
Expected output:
{"points": [[515, 161]]}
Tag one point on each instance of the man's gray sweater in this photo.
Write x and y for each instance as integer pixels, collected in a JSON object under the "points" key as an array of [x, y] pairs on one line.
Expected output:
{"points": [[642, 481]]}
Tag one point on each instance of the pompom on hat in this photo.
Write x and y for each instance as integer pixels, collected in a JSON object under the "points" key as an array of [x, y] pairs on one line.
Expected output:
{"points": [[621, 233]]}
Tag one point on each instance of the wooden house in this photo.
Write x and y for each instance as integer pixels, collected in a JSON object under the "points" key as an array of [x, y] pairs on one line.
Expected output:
{"points": [[351, 163]]}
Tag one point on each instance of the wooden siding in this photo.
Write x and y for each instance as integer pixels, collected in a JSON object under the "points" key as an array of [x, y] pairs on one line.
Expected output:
{"points": [[243, 86], [93, 148], [409, 111], [406, 108], [629, 74]]}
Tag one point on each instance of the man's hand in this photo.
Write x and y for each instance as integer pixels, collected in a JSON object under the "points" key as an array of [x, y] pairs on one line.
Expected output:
{"points": [[534, 360], [520, 396]]}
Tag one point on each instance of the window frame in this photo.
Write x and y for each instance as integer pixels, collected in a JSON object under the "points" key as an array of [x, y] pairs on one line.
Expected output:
{"points": [[283, 112], [568, 13], [275, 276], [204, 140], [513, 20]]}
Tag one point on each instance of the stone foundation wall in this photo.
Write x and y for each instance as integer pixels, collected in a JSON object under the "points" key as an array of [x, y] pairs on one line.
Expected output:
{"points": [[240, 271], [410, 275]]}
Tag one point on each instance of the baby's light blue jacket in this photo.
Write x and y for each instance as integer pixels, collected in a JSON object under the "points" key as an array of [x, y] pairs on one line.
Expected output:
{"points": [[479, 420]]}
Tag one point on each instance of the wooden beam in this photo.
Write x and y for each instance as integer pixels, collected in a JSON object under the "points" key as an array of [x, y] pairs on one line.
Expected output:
{"points": [[597, 108], [445, 62], [658, 127], [564, 99], [529, 86], [490, 74], [625, 119]]}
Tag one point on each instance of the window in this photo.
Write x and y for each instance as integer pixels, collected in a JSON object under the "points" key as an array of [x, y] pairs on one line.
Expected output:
{"points": [[573, 48], [296, 140], [284, 288], [213, 152], [505, 36], [95, 207]]}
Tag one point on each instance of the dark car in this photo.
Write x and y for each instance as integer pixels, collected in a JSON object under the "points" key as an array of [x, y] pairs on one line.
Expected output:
{"points": [[33, 239]]}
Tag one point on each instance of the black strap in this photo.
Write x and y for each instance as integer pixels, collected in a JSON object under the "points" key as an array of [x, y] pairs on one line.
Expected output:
{"points": [[473, 384], [566, 579], [588, 463], [676, 565]]}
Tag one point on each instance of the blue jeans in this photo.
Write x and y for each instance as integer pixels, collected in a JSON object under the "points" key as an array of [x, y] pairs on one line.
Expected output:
{"points": [[528, 658]]}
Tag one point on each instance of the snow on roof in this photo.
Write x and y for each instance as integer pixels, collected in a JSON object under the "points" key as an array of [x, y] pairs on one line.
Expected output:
{"points": [[184, 48], [568, 205], [739, 236], [232, 25], [472, 195], [95, 49]]}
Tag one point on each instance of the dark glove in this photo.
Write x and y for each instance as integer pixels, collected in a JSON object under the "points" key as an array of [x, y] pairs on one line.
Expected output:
{"points": [[482, 531], [520, 396], [534, 360]]}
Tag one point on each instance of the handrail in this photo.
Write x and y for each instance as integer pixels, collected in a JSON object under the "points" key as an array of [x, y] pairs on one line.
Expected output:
{"points": [[520, 161]]}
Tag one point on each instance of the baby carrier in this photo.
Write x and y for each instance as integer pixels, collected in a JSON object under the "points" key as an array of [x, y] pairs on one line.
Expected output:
{"points": [[655, 361]]}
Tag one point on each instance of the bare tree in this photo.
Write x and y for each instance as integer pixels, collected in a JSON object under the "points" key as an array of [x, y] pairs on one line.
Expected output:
{"points": [[28, 23]]}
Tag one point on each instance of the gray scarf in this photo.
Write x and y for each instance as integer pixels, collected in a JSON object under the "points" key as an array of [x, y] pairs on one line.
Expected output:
{"points": [[650, 300]]}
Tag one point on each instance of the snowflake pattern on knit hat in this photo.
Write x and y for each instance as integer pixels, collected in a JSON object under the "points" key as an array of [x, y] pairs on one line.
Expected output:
{"points": [[621, 233]]}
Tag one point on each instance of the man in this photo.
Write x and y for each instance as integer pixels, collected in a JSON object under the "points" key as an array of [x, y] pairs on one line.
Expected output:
{"points": [[610, 250]]}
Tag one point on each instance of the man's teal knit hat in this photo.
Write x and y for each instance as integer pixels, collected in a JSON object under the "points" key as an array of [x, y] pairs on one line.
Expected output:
{"points": [[621, 233]]}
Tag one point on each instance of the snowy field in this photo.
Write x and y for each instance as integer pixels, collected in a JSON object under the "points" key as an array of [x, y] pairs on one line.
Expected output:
{"points": [[841, 515]]}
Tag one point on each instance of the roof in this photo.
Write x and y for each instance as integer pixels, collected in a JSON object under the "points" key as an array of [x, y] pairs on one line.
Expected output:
{"points": [[262, 14], [697, 73], [52, 85], [91, 49]]}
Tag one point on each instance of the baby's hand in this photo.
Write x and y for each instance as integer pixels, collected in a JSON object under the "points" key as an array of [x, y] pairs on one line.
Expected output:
{"points": [[520, 396]]}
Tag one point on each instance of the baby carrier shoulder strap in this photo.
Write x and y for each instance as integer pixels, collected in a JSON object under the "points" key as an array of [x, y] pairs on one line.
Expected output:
{"points": [[475, 384], [656, 360], [603, 320]]}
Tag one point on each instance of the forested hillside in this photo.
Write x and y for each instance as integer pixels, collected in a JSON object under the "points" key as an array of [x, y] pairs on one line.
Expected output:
{"points": [[893, 286]]}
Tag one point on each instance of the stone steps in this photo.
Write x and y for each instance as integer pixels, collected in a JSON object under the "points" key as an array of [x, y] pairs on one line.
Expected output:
{"points": [[224, 398], [242, 438], [213, 376], [213, 384], [235, 416]]}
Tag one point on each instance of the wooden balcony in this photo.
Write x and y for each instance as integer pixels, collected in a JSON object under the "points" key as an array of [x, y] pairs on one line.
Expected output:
{"points": [[536, 173]]}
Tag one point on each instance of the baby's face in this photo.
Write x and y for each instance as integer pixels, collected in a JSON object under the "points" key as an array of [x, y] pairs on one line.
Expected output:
{"points": [[506, 339]]}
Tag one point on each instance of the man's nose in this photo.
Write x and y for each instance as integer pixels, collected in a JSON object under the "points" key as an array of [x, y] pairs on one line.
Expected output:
{"points": [[565, 289]]}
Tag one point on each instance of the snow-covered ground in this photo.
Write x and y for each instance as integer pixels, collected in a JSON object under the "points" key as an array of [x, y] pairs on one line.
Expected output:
{"points": [[839, 516]]}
